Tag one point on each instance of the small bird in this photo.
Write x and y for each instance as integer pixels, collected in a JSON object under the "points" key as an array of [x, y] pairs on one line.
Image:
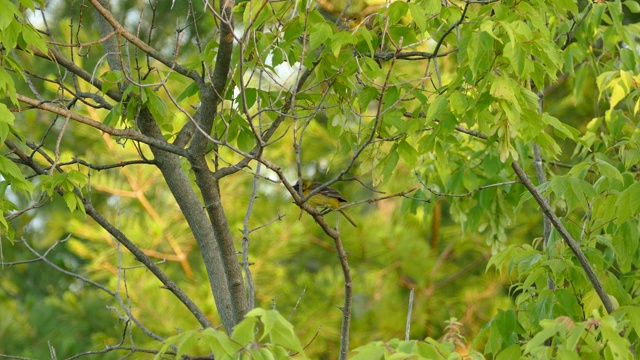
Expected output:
{"points": [[327, 198]]}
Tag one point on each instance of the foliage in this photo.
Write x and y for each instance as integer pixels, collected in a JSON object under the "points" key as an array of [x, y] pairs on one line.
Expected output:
{"points": [[244, 342], [133, 152]]}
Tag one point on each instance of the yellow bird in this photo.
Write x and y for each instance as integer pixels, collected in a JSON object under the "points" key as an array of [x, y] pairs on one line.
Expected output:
{"points": [[328, 198]]}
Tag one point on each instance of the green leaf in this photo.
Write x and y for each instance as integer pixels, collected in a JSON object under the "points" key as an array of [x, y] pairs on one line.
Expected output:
{"points": [[561, 129], [244, 332], [618, 345], [505, 322], [71, 200], [191, 90], [79, 178], [11, 172], [480, 53], [633, 314], [533, 277], [9, 10], [396, 119], [633, 6], [504, 88], [617, 95], [6, 122], [433, 7], [543, 308], [549, 329], [186, 343], [568, 303], [437, 107], [581, 191], [251, 95], [578, 169], [256, 313], [628, 203], [7, 86], [114, 115], [156, 106], [280, 331], [339, 39], [396, 11], [166, 344], [408, 153], [402, 35], [110, 80], [246, 140], [390, 97], [31, 38], [219, 343], [418, 15], [609, 170], [390, 162], [366, 95], [11, 34], [293, 30], [318, 34], [568, 5], [512, 352], [430, 350], [375, 350], [591, 302], [517, 57]]}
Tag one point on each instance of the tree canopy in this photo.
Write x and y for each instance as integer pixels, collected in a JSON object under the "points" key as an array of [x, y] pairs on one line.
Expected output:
{"points": [[488, 152]]}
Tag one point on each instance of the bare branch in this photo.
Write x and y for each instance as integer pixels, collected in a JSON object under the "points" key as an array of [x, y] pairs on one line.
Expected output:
{"points": [[125, 133], [504, 183], [245, 241], [141, 44]]}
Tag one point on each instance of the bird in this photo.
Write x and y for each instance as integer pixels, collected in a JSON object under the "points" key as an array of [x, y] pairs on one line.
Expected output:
{"points": [[327, 198]]}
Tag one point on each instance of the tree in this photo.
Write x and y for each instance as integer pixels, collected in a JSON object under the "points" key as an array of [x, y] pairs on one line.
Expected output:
{"points": [[441, 104]]}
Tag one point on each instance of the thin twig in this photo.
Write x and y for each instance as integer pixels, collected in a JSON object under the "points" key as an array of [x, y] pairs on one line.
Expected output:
{"points": [[125, 133], [409, 311], [251, 291], [297, 303], [470, 192]]}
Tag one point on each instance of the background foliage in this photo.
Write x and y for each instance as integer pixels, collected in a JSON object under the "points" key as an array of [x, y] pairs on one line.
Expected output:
{"points": [[438, 97]]}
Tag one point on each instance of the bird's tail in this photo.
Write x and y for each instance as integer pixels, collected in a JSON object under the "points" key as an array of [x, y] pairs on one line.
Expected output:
{"points": [[350, 220]]}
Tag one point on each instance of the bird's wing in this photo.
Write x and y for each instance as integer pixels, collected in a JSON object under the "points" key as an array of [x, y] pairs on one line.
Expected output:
{"points": [[328, 192]]}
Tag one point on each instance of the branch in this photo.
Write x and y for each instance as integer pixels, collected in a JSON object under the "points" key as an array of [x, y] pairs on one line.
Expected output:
{"points": [[342, 256], [573, 245], [122, 238], [108, 166], [568, 239], [124, 133], [380, 198], [200, 224], [93, 283], [59, 59], [212, 95], [141, 44], [407, 55], [450, 29], [288, 105], [245, 241], [470, 192], [575, 26]]}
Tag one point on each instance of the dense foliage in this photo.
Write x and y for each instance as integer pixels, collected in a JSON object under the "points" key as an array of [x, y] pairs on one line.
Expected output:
{"points": [[490, 151]]}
